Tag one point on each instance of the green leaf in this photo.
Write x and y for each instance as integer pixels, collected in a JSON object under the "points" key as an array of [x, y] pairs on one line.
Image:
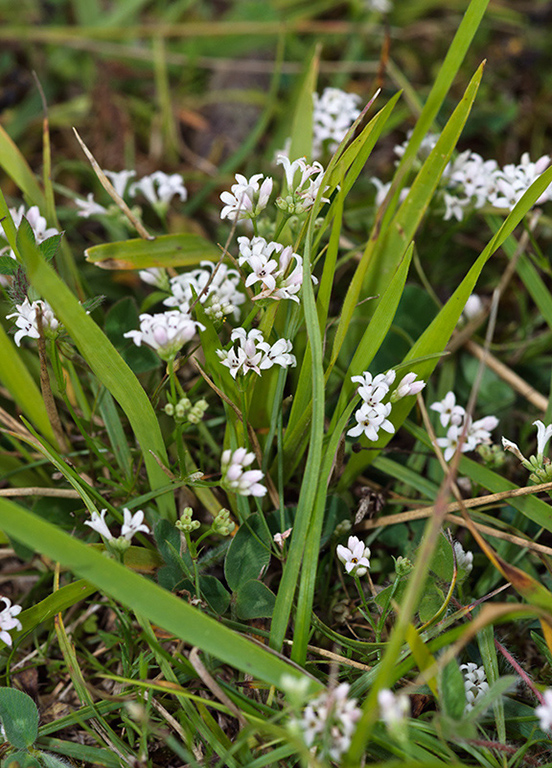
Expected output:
{"points": [[254, 600], [8, 266], [49, 247], [19, 716], [248, 555], [452, 690], [183, 250], [431, 602], [144, 597], [105, 362]]}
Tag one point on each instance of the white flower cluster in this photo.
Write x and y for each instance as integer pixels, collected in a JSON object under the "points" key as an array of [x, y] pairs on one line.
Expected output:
{"points": [[221, 297], [26, 320], [132, 524], [38, 224], [454, 417], [158, 188], [469, 182], [373, 413], [8, 620], [334, 113], [474, 182], [475, 683], [379, 6], [165, 332], [253, 353], [303, 183], [464, 560], [543, 711], [328, 722], [539, 465], [248, 198], [271, 274], [355, 556], [394, 708], [236, 478]]}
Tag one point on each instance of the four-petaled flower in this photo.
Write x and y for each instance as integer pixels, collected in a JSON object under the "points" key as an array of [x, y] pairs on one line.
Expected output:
{"points": [[247, 199], [27, 322], [8, 620], [355, 556]]}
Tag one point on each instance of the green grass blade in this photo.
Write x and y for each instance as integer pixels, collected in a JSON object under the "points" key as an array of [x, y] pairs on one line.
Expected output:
{"points": [[104, 360], [435, 338], [183, 250], [385, 249], [143, 596], [17, 168], [15, 376]]}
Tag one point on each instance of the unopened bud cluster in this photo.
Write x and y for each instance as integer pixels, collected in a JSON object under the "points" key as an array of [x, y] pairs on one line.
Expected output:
{"points": [[186, 524], [185, 411], [222, 524]]}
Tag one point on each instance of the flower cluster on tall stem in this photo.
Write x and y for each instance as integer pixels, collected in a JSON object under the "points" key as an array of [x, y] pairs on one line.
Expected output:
{"points": [[253, 353], [373, 413], [269, 263], [166, 332], [248, 197], [236, 478], [460, 423]]}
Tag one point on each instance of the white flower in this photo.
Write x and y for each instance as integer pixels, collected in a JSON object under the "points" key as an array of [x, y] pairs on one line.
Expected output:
{"points": [[475, 683], [272, 275], [8, 620], [279, 538], [253, 353], [26, 320], [37, 223], [98, 524], [328, 722], [450, 412], [543, 711], [454, 206], [480, 431], [156, 276], [220, 298], [160, 187], [451, 441], [247, 199], [89, 207], [165, 332], [508, 445], [355, 556], [473, 307], [464, 560], [408, 386], [302, 191], [120, 180], [235, 479], [379, 6], [394, 709], [333, 114], [543, 436], [133, 523], [370, 419]]}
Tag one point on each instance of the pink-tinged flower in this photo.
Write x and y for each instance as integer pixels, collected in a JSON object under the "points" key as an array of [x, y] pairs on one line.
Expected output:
{"points": [[8, 620], [236, 478], [355, 556], [279, 538], [166, 332], [407, 386]]}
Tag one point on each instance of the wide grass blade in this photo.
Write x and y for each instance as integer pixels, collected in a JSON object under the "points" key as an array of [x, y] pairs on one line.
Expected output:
{"points": [[104, 360], [146, 598], [17, 168], [182, 250]]}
